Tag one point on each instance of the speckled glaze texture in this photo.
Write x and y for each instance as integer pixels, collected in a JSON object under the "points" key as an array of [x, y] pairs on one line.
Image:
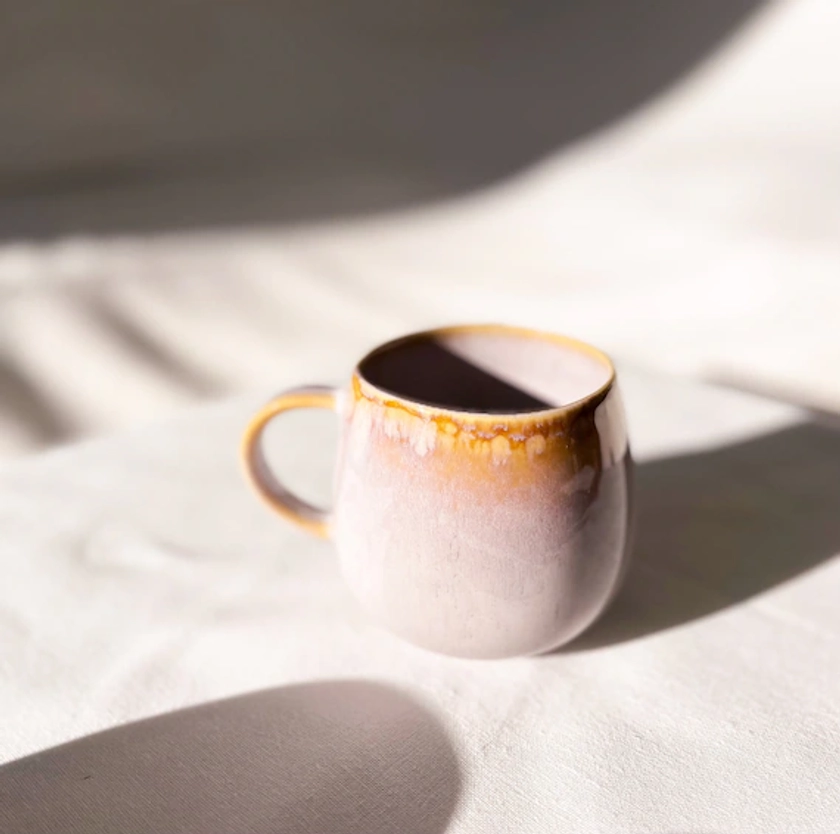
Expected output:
{"points": [[489, 531], [477, 535]]}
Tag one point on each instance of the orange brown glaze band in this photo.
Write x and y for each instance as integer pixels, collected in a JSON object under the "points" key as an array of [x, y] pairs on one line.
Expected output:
{"points": [[497, 437]]}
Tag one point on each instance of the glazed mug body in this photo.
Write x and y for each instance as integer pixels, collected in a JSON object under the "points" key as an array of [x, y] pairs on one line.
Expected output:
{"points": [[468, 530]]}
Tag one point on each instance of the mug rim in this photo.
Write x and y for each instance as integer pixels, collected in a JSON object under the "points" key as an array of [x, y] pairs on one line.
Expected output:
{"points": [[387, 397]]}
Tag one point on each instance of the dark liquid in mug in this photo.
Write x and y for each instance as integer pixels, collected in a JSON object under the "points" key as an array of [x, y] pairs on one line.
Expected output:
{"points": [[486, 372]]}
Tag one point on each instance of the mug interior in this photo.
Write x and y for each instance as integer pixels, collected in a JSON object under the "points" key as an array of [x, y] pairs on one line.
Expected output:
{"points": [[488, 369]]}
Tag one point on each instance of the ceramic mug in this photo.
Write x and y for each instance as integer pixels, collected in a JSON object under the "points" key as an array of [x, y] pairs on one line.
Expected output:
{"points": [[481, 498]]}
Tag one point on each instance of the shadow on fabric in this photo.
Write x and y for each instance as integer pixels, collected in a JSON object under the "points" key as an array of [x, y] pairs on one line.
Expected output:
{"points": [[145, 117], [716, 528], [329, 758]]}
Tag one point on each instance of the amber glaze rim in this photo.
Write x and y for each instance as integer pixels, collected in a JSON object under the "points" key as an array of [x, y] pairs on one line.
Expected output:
{"points": [[365, 389]]}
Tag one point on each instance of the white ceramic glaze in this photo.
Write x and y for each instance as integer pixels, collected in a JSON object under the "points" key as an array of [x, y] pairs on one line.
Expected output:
{"points": [[471, 532]]}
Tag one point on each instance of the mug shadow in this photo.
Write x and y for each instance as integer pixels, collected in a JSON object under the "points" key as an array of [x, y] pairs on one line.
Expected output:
{"points": [[347, 757], [716, 528]]}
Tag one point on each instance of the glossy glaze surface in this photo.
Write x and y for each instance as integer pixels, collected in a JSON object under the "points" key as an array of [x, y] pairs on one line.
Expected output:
{"points": [[483, 533]]}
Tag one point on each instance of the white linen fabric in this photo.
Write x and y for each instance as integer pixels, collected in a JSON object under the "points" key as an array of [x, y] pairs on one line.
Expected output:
{"points": [[140, 577], [700, 236]]}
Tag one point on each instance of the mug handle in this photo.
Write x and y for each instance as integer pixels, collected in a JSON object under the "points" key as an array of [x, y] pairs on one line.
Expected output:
{"points": [[312, 519]]}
